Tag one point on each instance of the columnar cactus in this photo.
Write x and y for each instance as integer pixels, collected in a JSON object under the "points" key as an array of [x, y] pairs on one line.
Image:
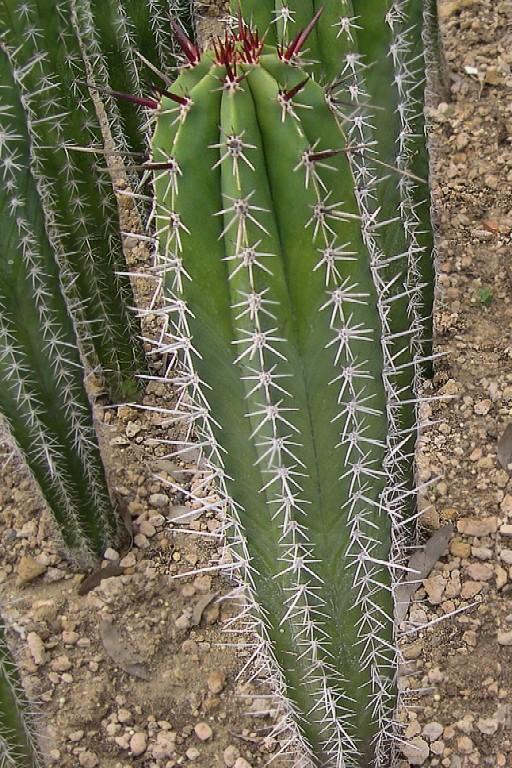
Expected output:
{"points": [[18, 739], [282, 318], [42, 393], [77, 197]]}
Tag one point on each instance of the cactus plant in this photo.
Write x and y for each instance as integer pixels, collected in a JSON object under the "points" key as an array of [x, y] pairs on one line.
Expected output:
{"points": [[42, 393], [282, 314], [77, 197], [18, 740]]}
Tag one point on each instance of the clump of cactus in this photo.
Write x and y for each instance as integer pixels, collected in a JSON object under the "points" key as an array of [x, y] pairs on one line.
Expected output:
{"points": [[66, 303], [292, 230], [291, 267], [42, 392], [18, 738]]}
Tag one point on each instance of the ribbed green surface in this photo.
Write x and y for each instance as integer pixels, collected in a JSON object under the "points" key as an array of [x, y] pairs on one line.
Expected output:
{"points": [[18, 747], [78, 195], [386, 39], [370, 55], [316, 560], [42, 394]]}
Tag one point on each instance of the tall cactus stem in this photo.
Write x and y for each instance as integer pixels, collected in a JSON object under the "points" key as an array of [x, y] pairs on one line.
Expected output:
{"points": [[42, 393], [292, 339]]}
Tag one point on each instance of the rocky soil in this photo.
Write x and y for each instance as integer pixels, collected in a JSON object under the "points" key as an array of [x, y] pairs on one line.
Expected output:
{"points": [[134, 670]]}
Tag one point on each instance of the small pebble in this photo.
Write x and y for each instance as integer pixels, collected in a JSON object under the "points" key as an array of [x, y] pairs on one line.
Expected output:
{"points": [[489, 726], [138, 743], [416, 751], [140, 541], [241, 762], [216, 682], [111, 554], [88, 759], [36, 648], [158, 500], [480, 572], [29, 569], [433, 731], [203, 731], [505, 638], [230, 755], [477, 526], [464, 745], [61, 664]]}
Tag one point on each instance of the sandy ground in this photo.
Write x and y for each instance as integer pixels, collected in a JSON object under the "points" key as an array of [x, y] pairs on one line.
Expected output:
{"points": [[136, 672]]}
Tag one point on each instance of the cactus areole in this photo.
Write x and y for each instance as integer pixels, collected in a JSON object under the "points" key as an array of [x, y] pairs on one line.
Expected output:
{"points": [[274, 315]]}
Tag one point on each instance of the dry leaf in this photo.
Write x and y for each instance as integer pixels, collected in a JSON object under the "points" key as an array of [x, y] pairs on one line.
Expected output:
{"points": [[420, 566], [119, 652], [504, 449]]}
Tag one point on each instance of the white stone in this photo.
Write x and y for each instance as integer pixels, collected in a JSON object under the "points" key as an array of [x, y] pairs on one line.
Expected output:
{"points": [[505, 638], [138, 743], [88, 759], [489, 726], [165, 745], [158, 500], [203, 731], [36, 648], [433, 731], [416, 751], [230, 755]]}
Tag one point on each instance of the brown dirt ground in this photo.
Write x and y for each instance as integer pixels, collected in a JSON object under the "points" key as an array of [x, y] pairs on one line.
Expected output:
{"points": [[462, 715]]}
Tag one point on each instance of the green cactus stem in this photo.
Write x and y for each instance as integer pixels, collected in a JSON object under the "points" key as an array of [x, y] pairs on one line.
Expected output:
{"points": [[277, 316], [18, 740], [76, 191], [42, 393], [129, 43]]}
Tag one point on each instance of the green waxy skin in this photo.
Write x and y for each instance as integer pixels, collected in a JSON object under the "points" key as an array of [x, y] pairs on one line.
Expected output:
{"points": [[78, 198], [292, 378], [42, 393], [18, 746]]}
